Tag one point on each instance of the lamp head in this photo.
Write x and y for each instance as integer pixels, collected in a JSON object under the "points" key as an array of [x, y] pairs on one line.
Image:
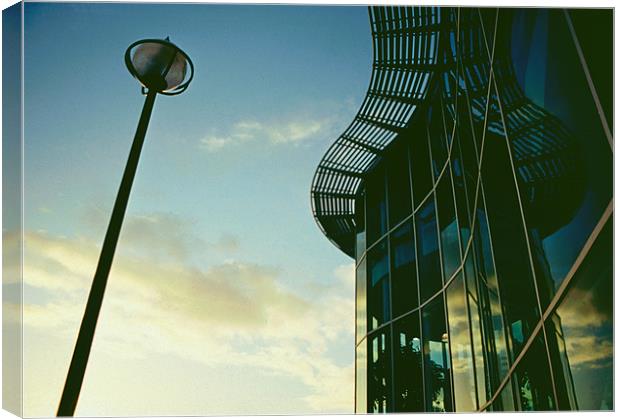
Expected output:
{"points": [[159, 65]]}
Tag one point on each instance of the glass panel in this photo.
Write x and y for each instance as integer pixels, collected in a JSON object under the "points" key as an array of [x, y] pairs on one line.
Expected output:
{"points": [[585, 319], [420, 168], [399, 188], [448, 228], [460, 192], [594, 28], [360, 300], [534, 379], [378, 286], [460, 347], [404, 278], [476, 331], [437, 138], [376, 220], [428, 252], [360, 227], [489, 301], [379, 380], [361, 378], [510, 247], [408, 391], [436, 357], [563, 158], [563, 377], [505, 401]]}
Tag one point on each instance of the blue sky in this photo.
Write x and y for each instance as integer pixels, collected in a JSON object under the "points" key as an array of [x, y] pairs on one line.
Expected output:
{"points": [[222, 280]]}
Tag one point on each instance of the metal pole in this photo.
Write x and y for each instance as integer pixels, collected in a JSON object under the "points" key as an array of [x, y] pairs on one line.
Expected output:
{"points": [[75, 376]]}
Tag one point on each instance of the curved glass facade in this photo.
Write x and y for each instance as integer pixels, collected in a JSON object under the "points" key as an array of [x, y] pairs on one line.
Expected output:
{"points": [[483, 229]]}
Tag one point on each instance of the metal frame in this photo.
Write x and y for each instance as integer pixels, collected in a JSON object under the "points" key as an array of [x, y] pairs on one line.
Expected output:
{"points": [[405, 45], [543, 157]]}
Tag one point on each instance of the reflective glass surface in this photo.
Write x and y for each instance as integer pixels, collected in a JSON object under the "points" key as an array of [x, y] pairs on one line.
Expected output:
{"points": [[583, 327], [429, 267], [360, 300], [408, 383], [404, 278], [460, 347], [379, 372], [361, 377], [436, 357], [478, 269], [378, 286]]}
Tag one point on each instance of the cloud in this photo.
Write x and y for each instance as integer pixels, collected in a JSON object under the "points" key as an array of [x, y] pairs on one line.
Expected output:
{"points": [[230, 314], [294, 132], [162, 236]]}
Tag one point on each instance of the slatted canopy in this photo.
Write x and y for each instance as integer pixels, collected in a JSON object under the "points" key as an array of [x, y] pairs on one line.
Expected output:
{"points": [[409, 58], [405, 45]]}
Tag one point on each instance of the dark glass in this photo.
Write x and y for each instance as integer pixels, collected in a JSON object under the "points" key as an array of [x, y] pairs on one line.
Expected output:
{"points": [[488, 17], [562, 374], [534, 378], [569, 185], [376, 208], [399, 188], [492, 315], [420, 167], [594, 30], [408, 383], [460, 347], [437, 132], [361, 378], [404, 279], [360, 227], [436, 357], [360, 300], [379, 377], [505, 401], [429, 268], [584, 319], [460, 191], [448, 227], [509, 238], [378, 286]]}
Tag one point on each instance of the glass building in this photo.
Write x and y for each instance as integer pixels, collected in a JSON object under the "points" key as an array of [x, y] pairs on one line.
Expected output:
{"points": [[474, 190]]}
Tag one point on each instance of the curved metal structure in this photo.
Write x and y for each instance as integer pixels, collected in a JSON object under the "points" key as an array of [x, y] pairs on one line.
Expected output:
{"points": [[414, 50], [405, 45]]}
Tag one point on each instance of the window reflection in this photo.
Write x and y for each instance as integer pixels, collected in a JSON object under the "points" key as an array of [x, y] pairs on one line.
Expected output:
{"points": [[448, 228], [428, 250], [568, 180], [360, 227], [379, 380], [378, 286], [585, 318], [436, 357], [420, 168], [534, 378], [361, 378], [376, 208], [404, 279], [460, 347], [399, 189], [360, 300], [408, 392], [545, 179]]}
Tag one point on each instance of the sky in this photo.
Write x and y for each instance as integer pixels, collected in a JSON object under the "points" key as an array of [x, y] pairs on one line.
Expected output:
{"points": [[224, 296]]}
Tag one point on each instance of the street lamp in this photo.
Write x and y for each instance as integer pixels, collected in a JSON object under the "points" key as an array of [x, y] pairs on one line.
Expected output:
{"points": [[160, 67]]}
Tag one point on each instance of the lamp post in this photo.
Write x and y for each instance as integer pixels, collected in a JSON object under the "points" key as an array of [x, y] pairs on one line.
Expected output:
{"points": [[160, 67]]}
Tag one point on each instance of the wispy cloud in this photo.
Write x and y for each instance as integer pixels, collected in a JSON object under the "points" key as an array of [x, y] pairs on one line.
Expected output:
{"points": [[292, 132], [230, 314]]}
